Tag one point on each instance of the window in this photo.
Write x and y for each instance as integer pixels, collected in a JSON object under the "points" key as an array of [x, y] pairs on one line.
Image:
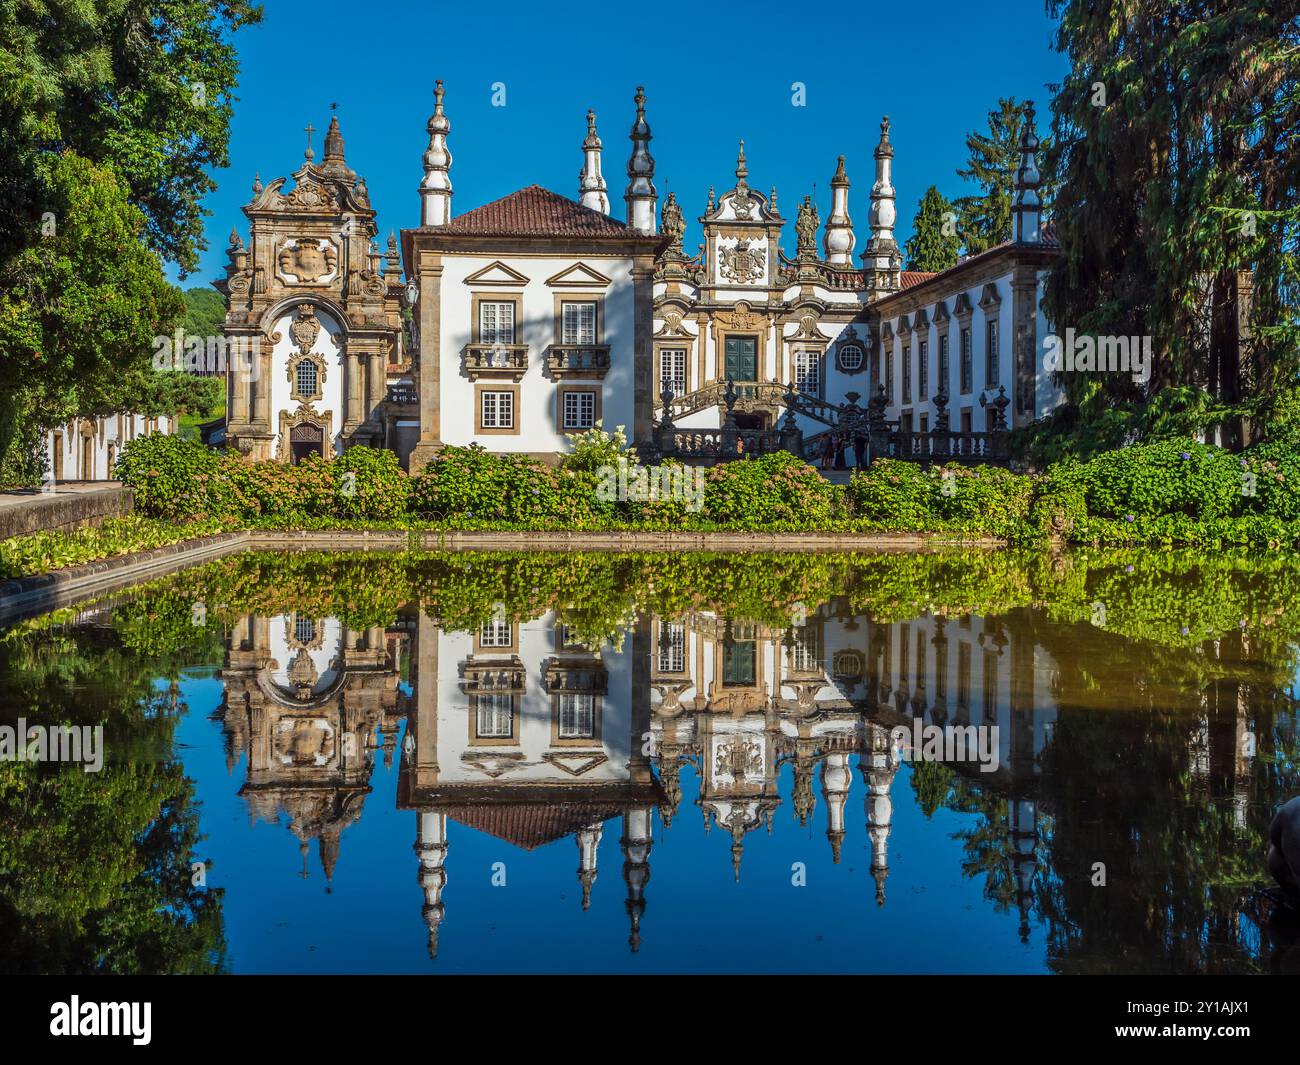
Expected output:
{"points": [[923, 369], [579, 325], [851, 358], [943, 364], [498, 411], [990, 686], [304, 630], [991, 356], [306, 378], [672, 648], [808, 372], [966, 366], [579, 410], [672, 371], [889, 377], [496, 323], [577, 715], [966, 420], [741, 359], [739, 664], [963, 680], [495, 633], [805, 653], [907, 373], [495, 717]]}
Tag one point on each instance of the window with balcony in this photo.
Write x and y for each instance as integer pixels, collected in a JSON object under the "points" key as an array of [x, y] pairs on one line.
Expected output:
{"points": [[496, 323], [579, 323]]}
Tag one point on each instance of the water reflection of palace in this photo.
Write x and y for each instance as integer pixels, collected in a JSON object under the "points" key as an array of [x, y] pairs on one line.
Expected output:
{"points": [[518, 730]]}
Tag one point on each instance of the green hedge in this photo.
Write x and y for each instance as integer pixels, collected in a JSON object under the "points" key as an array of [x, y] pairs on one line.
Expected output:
{"points": [[1166, 492]]}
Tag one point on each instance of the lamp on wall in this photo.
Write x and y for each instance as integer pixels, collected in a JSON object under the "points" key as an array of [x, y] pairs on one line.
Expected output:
{"points": [[412, 293]]}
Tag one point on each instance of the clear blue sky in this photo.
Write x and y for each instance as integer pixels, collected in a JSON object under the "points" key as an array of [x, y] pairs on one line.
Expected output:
{"points": [[713, 73]]}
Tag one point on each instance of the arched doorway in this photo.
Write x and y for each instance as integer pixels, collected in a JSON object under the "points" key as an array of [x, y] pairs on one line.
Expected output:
{"points": [[304, 440]]}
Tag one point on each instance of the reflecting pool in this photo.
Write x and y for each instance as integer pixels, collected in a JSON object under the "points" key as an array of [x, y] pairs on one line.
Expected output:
{"points": [[491, 762]]}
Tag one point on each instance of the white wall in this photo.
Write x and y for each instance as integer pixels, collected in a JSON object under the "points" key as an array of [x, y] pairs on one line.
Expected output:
{"points": [[539, 430], [329, 344], [101, 448]]}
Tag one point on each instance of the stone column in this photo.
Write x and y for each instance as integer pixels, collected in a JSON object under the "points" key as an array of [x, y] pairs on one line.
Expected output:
{"points": [[642, 350], [429, 308], [355, 388], [377, 385], [1024, 344]]}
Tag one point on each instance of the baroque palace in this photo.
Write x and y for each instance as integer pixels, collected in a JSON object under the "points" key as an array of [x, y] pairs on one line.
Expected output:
{"points": [[536, 316]]}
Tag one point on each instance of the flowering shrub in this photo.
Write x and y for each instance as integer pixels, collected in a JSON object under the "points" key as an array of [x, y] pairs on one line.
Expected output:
{"points": [[176, 479], [473, 483], [596, 448], [1168, 477], [1275, 469], [369, 484], [985, 497], [900, 494], [777, 489], [1165, 492]]}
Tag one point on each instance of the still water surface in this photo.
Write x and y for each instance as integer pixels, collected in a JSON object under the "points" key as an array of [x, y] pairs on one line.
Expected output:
{"points": [[641, 763]]}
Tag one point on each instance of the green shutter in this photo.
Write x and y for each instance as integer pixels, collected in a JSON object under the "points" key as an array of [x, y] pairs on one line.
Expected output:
{"points": [[741, 362]]}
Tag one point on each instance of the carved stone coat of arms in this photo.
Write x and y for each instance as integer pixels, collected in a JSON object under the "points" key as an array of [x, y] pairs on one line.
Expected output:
{"points": [[309, 260], [744, 263]]}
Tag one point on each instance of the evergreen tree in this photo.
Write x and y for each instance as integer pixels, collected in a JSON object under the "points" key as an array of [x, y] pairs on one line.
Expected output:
{"points": [[934, 244], [984, 218], [1176, 213]]}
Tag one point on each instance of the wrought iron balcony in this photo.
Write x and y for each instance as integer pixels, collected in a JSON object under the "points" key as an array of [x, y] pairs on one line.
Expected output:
{"points": [[496, 360], [578, 360]]}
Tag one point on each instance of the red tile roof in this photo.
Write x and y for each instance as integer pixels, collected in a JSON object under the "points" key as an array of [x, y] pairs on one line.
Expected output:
{"points": [[536, 212], [532, 825], [908, 278]]}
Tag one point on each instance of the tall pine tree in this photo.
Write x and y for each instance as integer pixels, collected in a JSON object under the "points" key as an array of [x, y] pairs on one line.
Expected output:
{"points": [[1175, 145], [934, 244]]}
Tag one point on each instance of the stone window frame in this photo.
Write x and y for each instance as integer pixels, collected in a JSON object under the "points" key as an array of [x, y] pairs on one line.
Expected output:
{"points": [[991, 304], [561, 298], [492, 386], [477, 299], [849, 339], [816, 348], [291, 369], [656, 634], [512, 740], [497, 649], [597, 722], [965, 313], [563, 390], [686, 344]]}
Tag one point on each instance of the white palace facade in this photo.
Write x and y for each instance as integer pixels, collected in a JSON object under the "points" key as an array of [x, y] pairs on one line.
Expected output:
{"points": [[530, 318]]}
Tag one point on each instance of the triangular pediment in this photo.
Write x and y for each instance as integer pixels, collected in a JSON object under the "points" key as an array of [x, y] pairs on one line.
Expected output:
{"points": [[579, 275], [497, 273], [577, 763], [494, 766]]}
